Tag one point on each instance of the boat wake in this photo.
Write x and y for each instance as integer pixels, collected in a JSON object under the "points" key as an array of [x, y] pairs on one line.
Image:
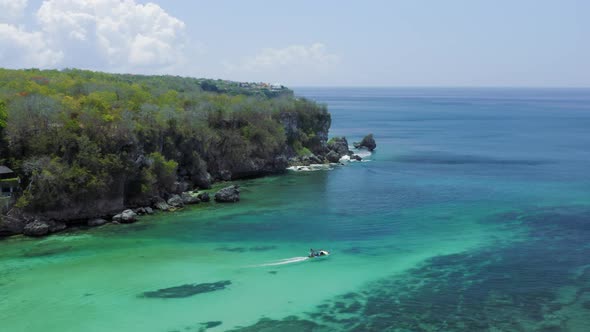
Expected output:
{"points": [[284, 261]]}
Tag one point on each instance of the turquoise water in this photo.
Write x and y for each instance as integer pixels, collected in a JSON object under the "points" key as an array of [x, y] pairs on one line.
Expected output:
{"points": [[473, 214]]}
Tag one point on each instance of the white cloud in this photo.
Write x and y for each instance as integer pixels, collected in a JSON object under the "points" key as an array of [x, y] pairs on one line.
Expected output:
{"points": [[122, 34], [116, 35], [12, 10], [294, 64], [297, 57], [19, 48]]}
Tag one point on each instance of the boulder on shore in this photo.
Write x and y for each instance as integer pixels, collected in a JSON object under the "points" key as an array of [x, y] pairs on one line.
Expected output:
{"points": [[204, 197], [128, 216], [148, 210], [306, 160], [229, 194], [339, 145], [175, 201], [10, 225], [190, 198], [125, 217], [333, 156], [40, 227], [36, 228], [368, 142], [161, 204]]}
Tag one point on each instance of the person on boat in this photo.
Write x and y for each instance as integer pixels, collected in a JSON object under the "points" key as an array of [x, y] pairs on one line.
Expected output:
{"points": [[317, 253]]}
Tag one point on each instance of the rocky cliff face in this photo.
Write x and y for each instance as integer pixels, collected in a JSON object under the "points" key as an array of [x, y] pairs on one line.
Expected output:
{"points": [[302, 131], [232, 148], [310, 133], [111, 141], [255, 167]]}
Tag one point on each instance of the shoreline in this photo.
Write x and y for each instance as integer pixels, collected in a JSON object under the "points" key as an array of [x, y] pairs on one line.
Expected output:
{"points": [[160, 205], [115, 155]]}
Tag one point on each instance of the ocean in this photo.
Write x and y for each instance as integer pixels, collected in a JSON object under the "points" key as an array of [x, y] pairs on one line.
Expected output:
{"points": [[473, 214]]}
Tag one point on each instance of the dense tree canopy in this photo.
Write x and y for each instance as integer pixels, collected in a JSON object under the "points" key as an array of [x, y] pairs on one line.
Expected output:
{"points": [[80, 135]]}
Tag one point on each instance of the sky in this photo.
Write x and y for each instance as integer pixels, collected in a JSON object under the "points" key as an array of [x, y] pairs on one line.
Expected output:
{"points": [[467, 43]]}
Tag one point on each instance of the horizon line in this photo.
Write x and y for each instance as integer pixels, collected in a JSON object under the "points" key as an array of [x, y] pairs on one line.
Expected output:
{"points": [[316, 85], [438, 87]]}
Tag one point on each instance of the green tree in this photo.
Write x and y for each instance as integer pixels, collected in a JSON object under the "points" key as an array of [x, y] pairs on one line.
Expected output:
{"points": [[3, 114], [164, 171]]}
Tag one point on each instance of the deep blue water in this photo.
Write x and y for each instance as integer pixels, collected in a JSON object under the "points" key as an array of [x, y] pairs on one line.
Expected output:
{"points": [[518, 159]]}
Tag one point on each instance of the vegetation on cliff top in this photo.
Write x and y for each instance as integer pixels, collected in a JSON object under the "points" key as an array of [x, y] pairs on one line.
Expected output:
{"points": [[76, 136]]}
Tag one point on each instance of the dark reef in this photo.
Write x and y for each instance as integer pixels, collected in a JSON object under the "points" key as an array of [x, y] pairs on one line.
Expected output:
{"points": [[289, 324], [515, 286], [211, 324], [187, 290]]}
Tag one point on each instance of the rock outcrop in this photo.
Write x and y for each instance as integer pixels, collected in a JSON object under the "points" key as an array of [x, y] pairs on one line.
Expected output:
{"points": [[175, 201], [40, 227], [229, 194], [190, 197], [204, 197], [339, 145], [36, 228], [128, 216], [333, 156], [307, 160], [368, 142], [161, 204], [11, 225], [336, 151], [17, 222]]}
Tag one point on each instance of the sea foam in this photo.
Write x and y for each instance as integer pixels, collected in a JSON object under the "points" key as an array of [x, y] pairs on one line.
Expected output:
{"points": [[311, 168]]}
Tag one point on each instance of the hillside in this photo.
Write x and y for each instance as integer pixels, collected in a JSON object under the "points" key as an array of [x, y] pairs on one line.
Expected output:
{"points": [[88, 144]]}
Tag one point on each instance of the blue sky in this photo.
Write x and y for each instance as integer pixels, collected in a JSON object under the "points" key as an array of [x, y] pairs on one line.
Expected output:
{"points": [[305, 42]]}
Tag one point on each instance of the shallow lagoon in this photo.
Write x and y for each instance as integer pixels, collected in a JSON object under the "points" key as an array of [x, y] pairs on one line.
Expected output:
{"points": [[473, 214]]}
